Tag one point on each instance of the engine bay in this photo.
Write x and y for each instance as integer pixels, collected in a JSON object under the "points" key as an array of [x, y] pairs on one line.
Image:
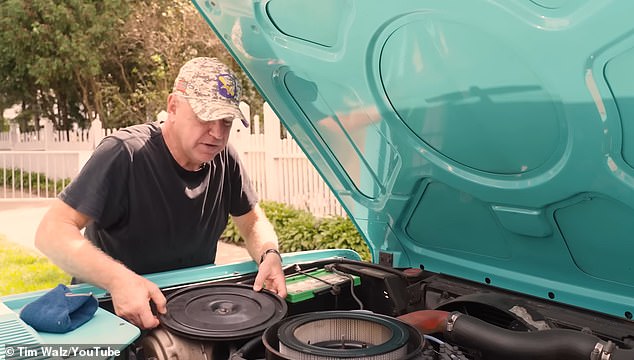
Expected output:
{"points": [[347, 309], [480, 149]]}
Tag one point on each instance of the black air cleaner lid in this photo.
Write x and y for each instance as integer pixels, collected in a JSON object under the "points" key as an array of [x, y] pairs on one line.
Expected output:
{"points": [[222, 312]]}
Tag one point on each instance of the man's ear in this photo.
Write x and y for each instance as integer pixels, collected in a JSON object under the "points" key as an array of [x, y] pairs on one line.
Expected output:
{"points": [[172, 103]]}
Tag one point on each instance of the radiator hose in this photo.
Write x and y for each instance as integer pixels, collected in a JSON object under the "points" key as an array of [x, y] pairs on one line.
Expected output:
{"points": [[497, 343]]}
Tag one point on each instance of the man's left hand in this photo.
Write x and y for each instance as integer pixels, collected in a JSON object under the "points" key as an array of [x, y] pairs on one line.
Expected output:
{"points": [[271, 276]]}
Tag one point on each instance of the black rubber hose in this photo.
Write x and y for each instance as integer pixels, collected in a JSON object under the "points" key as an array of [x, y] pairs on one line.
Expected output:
{"points": [[246, 349], [498, 343], [388, 269]]}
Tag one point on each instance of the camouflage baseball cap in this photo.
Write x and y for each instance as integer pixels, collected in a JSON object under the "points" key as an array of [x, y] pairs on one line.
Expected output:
{"points": [[211, 88]]}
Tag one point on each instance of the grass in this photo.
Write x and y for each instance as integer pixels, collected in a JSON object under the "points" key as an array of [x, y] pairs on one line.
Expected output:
{"points": [[23, 270]]}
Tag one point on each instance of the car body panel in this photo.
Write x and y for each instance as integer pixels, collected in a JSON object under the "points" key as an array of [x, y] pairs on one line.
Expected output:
{"points": [[487, 140]]}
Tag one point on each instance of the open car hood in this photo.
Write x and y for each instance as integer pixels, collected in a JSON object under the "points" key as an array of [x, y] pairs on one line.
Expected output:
{"points": [[487, 140]]}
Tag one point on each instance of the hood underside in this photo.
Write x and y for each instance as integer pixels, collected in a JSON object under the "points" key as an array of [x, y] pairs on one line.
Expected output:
{"points": [[483, 139]]}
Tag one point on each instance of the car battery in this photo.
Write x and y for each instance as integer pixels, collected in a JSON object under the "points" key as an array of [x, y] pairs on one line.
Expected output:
{"points": [[319, 289]]}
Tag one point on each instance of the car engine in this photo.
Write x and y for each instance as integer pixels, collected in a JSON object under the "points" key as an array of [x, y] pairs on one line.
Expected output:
{"points": [[346, 309]]}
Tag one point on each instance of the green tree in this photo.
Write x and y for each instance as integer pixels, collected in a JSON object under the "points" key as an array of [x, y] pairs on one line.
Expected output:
{"points": [[73, 60], [159, 37], [51, 54]]}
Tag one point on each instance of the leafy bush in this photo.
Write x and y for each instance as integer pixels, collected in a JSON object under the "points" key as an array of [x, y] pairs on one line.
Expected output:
{"points": [[298, 234], [340, 233], [231, 234], [299, 230], [280, 214], [36, 183]]}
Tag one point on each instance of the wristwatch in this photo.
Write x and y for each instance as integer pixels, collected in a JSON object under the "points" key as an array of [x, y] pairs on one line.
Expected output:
{"points": [[268, 251]]}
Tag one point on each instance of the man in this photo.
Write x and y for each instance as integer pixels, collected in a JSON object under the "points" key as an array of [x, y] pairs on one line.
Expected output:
{"points": [[156, 197]]}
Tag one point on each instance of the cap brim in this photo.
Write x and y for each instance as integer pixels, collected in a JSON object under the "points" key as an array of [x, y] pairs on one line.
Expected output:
{"points": [[211, 111]]}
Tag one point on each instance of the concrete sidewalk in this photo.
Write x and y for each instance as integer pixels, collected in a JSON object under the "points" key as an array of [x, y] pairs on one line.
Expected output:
{"points": [[19, 220]]}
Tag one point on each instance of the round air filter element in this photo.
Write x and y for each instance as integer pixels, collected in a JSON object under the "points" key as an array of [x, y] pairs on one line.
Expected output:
{"points": [[342, 335], [222, 312]]}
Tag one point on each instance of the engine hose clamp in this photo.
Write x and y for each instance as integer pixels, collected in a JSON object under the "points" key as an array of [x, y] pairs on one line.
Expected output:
{"points": [[596, 352], [602, 352], [606, 354], [451, 321]]}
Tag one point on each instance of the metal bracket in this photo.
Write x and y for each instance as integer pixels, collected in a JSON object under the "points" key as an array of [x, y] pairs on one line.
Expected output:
{"points": [[386, 259]]}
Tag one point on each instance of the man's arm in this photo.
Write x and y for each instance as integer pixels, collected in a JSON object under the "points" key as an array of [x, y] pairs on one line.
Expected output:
{"points": [[58, 237], [260, 236]]}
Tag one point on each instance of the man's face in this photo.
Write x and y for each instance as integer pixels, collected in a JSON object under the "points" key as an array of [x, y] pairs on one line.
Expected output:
{"points": [[199, 141]]}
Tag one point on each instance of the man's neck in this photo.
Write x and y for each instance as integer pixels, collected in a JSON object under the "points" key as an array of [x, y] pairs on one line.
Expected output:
{"points": [[177, 153]]}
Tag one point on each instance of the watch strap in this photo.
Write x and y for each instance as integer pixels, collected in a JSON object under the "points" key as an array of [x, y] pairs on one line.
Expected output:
{"points": [[268, 251]]}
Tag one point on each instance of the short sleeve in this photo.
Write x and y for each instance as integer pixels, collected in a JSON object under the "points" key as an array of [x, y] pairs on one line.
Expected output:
{"points": [[99, 191], [243, 196]]}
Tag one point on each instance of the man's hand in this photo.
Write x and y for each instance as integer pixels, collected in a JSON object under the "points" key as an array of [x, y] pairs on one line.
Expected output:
{"points": [[271, 276], [131, 299], [59, 237], [259, 236]]}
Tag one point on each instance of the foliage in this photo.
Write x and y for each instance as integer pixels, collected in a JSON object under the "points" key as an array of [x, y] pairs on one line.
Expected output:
{"points": [[299, 230], [22, 270], [158, 38], [52, 56], [35, 183], [73, 60], [280, 214], [231, 234], [340, 233]]}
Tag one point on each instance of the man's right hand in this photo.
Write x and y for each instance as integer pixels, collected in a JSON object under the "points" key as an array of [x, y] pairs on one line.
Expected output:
{"points": [[131, 300], [59, 237]]}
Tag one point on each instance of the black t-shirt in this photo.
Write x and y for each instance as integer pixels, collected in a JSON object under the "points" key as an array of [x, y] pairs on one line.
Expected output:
{"points": [[150, 213]]}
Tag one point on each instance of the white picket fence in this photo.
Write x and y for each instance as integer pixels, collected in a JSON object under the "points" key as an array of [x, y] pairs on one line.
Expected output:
{"points": [[278, 168]]}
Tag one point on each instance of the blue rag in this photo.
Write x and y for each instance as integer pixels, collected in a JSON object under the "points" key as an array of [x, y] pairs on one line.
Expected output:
{"points": [[59, 310]]}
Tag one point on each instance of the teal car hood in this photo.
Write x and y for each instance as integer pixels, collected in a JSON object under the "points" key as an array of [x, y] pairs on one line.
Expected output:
{"points": [[487, 140]]}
